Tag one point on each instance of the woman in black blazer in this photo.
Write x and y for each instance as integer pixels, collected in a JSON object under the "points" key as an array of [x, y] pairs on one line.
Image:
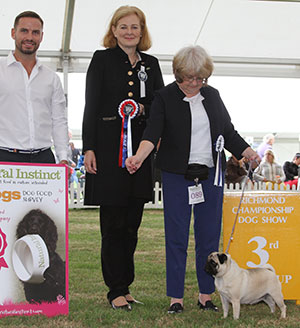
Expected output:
{"points": [[193, 126], [120, 84]]}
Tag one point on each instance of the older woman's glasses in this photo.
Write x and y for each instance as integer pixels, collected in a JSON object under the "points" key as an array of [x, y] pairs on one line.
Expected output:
{"points": [[198, 79]]}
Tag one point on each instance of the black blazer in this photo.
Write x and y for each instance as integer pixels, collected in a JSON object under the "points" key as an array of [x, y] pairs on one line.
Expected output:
{"points": [[170, 120], [110, 80]]}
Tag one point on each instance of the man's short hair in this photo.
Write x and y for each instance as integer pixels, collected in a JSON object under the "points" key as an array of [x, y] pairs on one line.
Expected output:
{"points": [[297, 155], [28, 13]]}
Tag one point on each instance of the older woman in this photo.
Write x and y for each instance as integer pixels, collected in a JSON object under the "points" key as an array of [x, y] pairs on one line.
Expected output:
{"points": [[269, 170], [193, 124], [120, 84]]}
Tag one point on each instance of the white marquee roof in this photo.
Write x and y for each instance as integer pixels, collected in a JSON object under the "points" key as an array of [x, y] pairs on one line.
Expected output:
{"points": [[245, 37]]}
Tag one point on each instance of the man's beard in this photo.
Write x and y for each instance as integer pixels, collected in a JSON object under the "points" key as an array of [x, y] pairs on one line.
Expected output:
{"points": [[27, 51]]}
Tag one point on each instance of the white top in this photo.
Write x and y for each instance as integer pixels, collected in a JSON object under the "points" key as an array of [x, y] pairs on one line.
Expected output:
{"points": [[271, 172], [200, 151], [33, 112]]}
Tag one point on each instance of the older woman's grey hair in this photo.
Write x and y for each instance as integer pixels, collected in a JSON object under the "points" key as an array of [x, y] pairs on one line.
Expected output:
{"points": [[269, 138], [192, 61]]}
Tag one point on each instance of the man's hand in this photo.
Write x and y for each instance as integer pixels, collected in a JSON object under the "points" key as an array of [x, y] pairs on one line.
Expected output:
{"points": [[65, 162]]}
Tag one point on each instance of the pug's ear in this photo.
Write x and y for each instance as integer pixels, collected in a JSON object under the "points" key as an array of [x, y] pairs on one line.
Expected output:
{"points": [[222, 258]]}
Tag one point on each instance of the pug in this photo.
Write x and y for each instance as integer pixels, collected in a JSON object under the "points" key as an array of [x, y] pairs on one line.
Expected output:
{"points": [[239, 286]]}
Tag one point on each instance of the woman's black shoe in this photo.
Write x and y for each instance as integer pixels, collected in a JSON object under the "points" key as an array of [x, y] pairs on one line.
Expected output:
{"points": [[209, 305], [175, 308]]}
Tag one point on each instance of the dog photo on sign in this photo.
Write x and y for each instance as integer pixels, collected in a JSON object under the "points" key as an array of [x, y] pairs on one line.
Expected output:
{"points": [[244, 286], [51, 286]]}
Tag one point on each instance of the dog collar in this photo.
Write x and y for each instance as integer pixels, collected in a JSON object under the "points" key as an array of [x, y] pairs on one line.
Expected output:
{"points": [[30, 259]]}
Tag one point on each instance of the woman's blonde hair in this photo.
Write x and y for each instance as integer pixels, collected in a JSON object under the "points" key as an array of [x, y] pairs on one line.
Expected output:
{"points": [[270, 152], [109, 40], [192, 61]]}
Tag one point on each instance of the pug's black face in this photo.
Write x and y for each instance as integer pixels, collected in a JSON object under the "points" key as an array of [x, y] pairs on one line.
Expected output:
{"points": [[213, 263], [211, 267]]}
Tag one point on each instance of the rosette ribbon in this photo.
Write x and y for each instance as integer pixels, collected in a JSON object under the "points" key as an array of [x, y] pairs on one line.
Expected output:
{"points": [[142, 75], [219, 148], [128, 109], [3, 245]]}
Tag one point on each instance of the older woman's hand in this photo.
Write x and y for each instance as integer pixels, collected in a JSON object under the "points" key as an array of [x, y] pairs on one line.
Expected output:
{"points": [[133, 164], [252, 155]]}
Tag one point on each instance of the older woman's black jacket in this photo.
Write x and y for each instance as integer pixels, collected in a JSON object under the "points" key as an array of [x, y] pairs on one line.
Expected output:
{"points": [[110, 80], [170, 119]]}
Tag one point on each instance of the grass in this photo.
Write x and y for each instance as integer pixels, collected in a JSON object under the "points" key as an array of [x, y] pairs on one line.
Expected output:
{"points": [[88, 304]]}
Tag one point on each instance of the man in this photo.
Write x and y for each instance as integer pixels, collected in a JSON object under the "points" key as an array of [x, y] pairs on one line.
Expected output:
{"points": [[75, 153], [291, 170], [32, 102]]}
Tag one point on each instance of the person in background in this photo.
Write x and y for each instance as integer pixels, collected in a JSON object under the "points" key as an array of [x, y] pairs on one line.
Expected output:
{"points": [[120, 85], [268, 170], [267, 143], [190, 119], [32, 102], [292, 171], [80, 170], [80, 163], [75, 153]]}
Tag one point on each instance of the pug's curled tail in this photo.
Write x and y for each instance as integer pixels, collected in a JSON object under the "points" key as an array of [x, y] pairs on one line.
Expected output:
{"points": [[269, 267]]}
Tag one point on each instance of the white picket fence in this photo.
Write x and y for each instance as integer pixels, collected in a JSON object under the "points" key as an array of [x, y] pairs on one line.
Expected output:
{"points": [[261, 186], [76, 193], [76, 196]]}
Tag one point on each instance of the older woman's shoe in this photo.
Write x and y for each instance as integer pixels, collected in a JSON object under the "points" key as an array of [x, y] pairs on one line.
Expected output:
{"points": [[120, 304], [175, 308], [209, 305]]}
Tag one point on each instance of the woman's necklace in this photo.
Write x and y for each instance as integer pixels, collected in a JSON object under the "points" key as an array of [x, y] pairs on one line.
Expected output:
{"points": [[135, 60]]}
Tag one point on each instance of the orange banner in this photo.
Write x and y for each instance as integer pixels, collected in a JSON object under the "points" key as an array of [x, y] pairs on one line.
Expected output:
{"points": [[267, 231]]}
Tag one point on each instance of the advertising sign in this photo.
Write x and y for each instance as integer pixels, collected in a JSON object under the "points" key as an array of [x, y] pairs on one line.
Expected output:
{"points": [[33, 239], [267, 231]]}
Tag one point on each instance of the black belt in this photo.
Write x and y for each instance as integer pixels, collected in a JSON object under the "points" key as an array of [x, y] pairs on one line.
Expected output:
{"points": [[24, 151]]}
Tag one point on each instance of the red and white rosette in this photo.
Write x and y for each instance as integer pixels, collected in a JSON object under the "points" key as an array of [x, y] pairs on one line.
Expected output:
{"points": [[219, 148], [128, 109]]}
